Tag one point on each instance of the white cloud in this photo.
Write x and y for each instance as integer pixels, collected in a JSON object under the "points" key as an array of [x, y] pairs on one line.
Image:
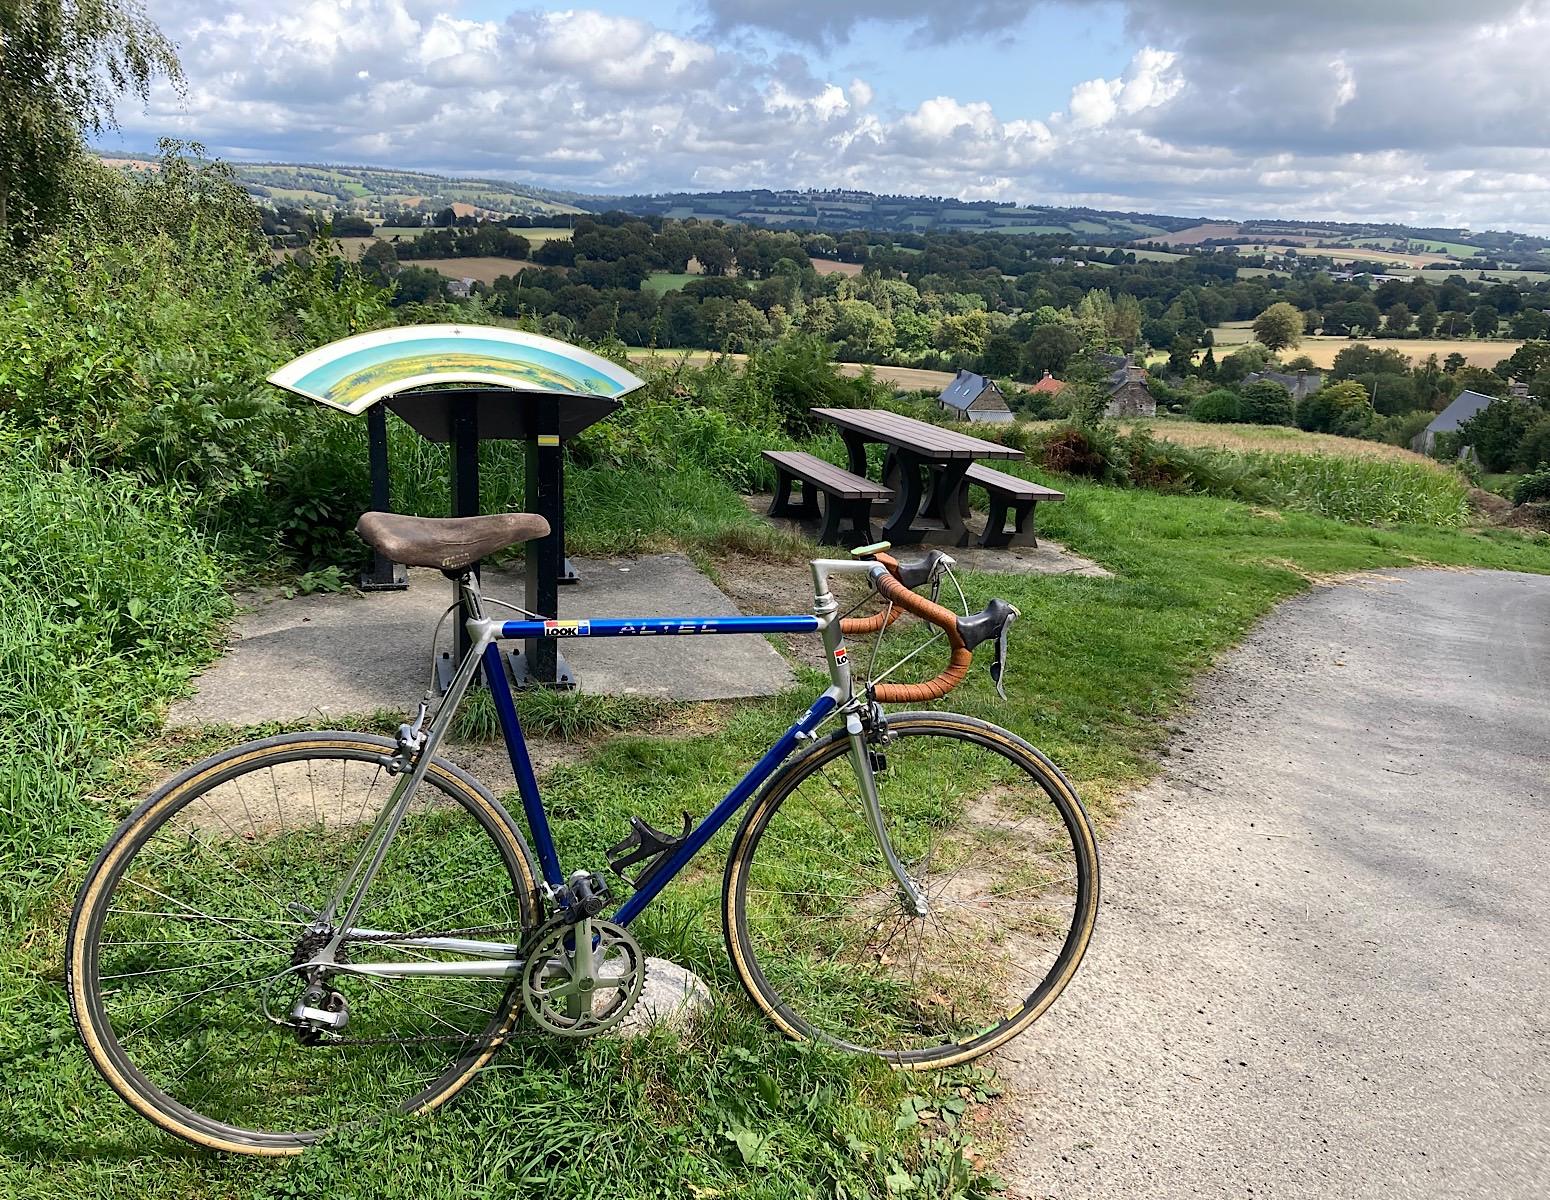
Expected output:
{"points": [[1327, 107]]}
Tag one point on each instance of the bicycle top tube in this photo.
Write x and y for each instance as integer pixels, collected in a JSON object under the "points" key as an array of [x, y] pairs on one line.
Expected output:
{"points": [[670, 626]]}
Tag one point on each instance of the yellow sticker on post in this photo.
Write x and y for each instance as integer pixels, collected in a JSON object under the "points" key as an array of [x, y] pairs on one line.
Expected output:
{"points": [[548, 439]]}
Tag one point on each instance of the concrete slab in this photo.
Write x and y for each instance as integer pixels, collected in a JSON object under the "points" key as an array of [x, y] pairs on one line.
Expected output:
{"points": [[322, 655]]}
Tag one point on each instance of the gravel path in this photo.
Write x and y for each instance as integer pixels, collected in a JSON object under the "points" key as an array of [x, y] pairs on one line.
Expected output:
{"points": [[1323, 963]]}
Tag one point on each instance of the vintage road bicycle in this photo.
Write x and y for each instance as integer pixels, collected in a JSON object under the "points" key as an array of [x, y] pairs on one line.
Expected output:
{"points": [[318, 929]]}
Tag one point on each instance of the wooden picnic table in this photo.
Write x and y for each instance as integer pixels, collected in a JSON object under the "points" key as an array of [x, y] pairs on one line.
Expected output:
{"points": [[925, 468]]}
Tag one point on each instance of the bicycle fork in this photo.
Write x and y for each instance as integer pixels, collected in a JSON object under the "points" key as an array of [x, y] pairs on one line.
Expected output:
{"points": [[827, 611], [872, 809]]}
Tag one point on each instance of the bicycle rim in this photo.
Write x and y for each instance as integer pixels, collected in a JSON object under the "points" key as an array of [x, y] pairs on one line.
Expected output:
{"points": [[821, 933], [186, 932]]}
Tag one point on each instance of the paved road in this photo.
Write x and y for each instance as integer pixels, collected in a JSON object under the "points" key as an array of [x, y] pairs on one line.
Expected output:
{"points": [[1323, 964]]}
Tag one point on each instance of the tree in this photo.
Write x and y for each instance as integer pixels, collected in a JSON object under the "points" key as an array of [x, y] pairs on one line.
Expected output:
{"points": [[1181, 355], [1125, 328], [1485, 320], [1398, 318], [1497, 431], [348, 225], [1050, 348], [1453, 362], [1279, 327], [1426, 319], [1341, 408], [63, 65], [446, 218], [1530, 323], [1243, 361], [379, 261], [1002, 355]]}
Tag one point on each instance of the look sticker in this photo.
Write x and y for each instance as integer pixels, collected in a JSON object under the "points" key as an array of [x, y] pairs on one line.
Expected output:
{"points": [[841, 656]]}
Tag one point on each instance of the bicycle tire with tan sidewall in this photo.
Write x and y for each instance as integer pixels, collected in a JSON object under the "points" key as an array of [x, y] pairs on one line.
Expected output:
{"points": [[785, 783], [102, 1047]]}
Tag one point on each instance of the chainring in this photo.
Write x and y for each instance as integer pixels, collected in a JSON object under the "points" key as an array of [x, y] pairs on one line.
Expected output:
{"points": [[565, 995]]}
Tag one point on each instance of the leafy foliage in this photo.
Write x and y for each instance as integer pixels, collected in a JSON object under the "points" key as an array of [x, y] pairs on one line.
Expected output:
{"points": [[1221, 406], [1535, 486], [65, 63]]}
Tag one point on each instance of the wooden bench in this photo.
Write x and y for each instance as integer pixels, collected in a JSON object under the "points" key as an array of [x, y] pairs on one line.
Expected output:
{"points": [[1006, 491], [847, 498]]}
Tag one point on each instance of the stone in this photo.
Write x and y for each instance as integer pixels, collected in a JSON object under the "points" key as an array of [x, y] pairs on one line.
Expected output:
{"points": [[674, 997]]}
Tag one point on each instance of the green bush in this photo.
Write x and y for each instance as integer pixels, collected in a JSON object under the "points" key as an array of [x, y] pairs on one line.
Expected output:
{"points": [[1535, 446], [1340, 408], [1533, 487], [1220, 407], [1266, 402]]}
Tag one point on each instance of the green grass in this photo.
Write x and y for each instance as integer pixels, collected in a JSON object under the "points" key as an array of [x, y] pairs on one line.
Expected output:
{"points": [[1099, 665], [1501, 483], [660, 282]]}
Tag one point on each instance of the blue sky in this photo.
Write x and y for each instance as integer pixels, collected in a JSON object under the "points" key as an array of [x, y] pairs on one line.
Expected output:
{"points": [[1430, 112]]}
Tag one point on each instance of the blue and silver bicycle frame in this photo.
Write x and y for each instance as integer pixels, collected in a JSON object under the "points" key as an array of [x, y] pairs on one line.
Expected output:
{"points": [[486, 634]]}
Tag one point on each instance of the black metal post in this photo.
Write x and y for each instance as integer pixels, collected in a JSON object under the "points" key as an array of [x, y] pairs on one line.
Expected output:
{"points": [[465, 503], [540, 663], [385, 575]]}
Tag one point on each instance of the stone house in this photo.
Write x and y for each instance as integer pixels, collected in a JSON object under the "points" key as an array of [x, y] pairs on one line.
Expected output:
{"points": [[971, 397], [1129, 395]]}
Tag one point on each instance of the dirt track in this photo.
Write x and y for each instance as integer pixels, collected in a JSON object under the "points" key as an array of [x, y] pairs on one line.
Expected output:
{"points": [[1323, 961]]}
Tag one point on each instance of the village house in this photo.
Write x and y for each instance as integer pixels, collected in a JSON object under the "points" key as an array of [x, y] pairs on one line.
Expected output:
{"points": [[1466, 405], [971, 397], [1129, 395], [1301, 385], [1048, 386]]}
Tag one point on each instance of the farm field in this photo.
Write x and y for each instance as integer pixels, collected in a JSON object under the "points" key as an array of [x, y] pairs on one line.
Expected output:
{"points": [[1322, 349], [1428, 246], [659, 282], [1352, 256], [830, 266], [485, 270], [1196, 234], [1276, 439], [1474, 273]]}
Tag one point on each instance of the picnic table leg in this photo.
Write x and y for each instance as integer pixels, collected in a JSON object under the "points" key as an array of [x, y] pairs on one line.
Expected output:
{"points": [[944, 503], [921, 517], [855, 451]]}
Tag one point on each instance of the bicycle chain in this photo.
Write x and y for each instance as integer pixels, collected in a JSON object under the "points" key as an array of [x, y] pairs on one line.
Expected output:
{"points": [[474, 1043]]}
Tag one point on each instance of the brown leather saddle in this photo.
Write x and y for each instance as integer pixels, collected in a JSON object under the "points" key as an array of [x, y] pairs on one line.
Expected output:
{"points": [[447, 543]]}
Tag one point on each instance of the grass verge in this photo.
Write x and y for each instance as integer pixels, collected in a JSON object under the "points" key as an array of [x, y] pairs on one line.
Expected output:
{"points": [[1098, 666]]}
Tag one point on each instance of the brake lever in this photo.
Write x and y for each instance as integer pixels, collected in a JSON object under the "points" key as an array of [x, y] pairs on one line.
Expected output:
{"points": [[999, 663]]}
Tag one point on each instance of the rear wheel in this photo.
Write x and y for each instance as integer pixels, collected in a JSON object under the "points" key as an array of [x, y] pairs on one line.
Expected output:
{"points": [[820, 932], [187, 931]]}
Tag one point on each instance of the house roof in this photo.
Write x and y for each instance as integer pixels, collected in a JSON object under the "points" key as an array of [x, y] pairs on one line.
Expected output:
{"points": [[965, 389], [1129, 373], [1289, 381], [1465, 406], [1048, 384]]}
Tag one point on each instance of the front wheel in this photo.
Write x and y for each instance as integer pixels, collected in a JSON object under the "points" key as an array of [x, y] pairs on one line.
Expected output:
{"points": [[992, 833]]}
